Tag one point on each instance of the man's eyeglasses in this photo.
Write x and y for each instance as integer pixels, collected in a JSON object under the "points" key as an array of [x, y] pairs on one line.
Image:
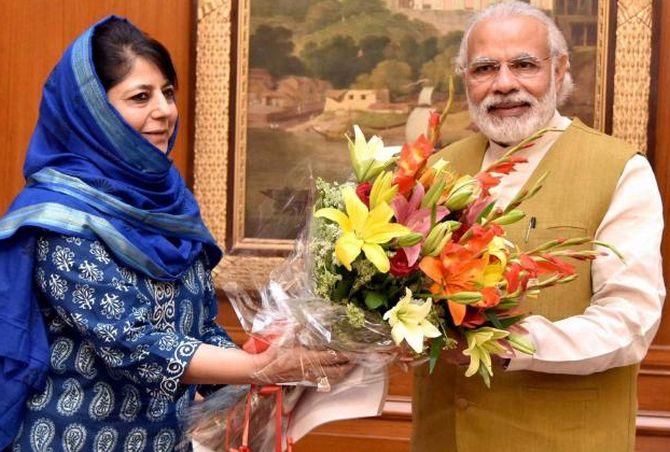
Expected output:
{"points": [[524, 67]]}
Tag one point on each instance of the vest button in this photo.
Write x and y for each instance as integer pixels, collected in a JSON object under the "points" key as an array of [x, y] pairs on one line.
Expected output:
{"points": [[462, 403]]}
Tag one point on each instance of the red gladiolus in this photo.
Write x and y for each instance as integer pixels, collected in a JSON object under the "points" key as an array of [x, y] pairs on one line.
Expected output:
{"points": [[434, 120], [487, 181], [481, 237], [512, 277], [473, 318], [508, 165], [554, 265]]}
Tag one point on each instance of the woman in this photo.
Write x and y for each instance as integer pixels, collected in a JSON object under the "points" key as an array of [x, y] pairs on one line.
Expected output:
{"points": [[108, 304]]}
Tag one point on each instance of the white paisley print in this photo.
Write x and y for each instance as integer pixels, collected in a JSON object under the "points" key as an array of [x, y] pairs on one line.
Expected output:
{"points": [[120, 343]]}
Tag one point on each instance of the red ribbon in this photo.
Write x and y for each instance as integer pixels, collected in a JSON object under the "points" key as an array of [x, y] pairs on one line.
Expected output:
{"points": [[257, 345]]}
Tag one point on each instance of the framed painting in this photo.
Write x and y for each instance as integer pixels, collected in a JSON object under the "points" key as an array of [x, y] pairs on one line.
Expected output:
{"points": [[279, 83]]}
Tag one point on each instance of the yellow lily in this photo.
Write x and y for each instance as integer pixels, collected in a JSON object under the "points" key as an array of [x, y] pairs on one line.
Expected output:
{"points": [[408, 321], [364, 230], [493, 272], [383, 189]]}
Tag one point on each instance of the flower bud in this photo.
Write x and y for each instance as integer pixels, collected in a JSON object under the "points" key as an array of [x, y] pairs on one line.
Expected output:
{"points": [[520, 343], [410, 239], [382, 189], [510, 217], [465, 297], [459, 200], [436, 240], [433, 195]]}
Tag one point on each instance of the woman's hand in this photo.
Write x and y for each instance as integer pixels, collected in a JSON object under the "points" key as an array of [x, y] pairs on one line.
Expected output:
{"points": [[299, 364]]}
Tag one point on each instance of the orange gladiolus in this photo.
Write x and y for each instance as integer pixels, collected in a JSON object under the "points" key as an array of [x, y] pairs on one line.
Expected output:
{"points": [[412, 160], [481, 237]]}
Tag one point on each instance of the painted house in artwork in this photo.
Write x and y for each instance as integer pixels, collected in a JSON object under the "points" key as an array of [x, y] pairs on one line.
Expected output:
{"points": [[354, 99], [290, 98]]}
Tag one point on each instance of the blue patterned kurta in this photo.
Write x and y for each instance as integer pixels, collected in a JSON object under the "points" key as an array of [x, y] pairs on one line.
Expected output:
{"points": [[120, 342]]}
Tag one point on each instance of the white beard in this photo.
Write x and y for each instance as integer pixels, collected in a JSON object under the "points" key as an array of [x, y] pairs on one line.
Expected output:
{"points": [[511, 130]]}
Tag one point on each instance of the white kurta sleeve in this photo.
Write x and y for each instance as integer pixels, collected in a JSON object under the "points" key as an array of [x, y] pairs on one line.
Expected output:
{"points": [[625, 311]]}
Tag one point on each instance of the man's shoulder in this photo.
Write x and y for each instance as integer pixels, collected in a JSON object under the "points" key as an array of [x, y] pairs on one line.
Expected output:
{"points": [[601, 140], [465, 145]]}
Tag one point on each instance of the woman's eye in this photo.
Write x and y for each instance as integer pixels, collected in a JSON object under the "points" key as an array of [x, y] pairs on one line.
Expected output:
{"points": [[169, 93], [140, 97]]}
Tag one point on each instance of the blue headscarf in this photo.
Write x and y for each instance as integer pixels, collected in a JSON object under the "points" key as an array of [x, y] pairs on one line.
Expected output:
{"points": [[88, 174]]}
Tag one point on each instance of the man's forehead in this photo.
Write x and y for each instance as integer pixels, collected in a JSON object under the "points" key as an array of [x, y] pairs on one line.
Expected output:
{"points": [[508, 37]]}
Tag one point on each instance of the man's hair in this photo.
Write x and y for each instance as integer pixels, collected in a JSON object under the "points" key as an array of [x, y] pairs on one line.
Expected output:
{"points": [[557, 44]]}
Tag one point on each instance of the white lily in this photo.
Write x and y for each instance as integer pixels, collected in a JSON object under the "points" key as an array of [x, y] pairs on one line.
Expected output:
{"points": [[408, 321], [482, 343], [369, 158]]}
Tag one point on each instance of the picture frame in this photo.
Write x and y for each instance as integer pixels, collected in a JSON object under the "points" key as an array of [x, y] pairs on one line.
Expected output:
{"points": [[224, 162]]}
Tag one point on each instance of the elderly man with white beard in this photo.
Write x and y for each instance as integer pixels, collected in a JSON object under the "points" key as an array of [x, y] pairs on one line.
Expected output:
{"points": [[577, 392]]}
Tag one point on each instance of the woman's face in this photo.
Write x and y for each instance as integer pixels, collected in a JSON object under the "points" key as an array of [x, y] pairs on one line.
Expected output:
{"points": [[146, 100]]}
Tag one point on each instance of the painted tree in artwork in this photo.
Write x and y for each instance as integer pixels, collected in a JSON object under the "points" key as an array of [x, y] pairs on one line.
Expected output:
{"points": [[336, 60], [271, 48]]}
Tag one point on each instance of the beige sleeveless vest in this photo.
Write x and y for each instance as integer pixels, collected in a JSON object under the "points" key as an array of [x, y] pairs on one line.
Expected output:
{"points": [[531, 411]]}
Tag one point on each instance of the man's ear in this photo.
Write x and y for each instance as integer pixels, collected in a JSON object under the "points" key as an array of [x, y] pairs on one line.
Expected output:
{"points": [[562, 66]]}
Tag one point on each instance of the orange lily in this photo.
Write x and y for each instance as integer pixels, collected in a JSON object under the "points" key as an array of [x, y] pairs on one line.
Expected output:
{"points": [[454, 273]]}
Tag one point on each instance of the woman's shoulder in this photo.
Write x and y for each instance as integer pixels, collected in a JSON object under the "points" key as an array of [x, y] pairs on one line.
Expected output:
{"points": [[67, 253]]}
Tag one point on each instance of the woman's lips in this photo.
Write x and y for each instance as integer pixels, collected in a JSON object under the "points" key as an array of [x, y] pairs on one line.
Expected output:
{"points": [[158, 135]]}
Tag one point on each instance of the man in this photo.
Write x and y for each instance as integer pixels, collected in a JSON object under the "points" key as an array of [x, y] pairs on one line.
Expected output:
{"points": [[578, 391]]}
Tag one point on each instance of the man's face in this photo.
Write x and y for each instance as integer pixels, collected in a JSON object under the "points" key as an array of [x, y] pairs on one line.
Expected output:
{"points": [[510, 78]]}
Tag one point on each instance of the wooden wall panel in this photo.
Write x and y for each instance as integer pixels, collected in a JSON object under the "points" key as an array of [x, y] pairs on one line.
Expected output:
{"points": [[661, 160], [33, 35]]}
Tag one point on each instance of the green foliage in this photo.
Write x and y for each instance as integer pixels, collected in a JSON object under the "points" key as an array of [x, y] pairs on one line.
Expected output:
{"points": [[392, 74], [379, 120], [329, 194], [356, 7], [374, 300], [438, 71], [412, 52], [296, 9], [335, 60], [328, 281], [372, 51], [322, 247], [355, 315], [372, 24], [451, 39], [271, 48], [322, 14], [338, 40], [439, 68], [435, 350]]}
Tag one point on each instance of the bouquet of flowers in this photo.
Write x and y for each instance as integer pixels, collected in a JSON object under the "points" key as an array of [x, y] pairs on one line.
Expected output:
{"points": [[400, 263]]}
